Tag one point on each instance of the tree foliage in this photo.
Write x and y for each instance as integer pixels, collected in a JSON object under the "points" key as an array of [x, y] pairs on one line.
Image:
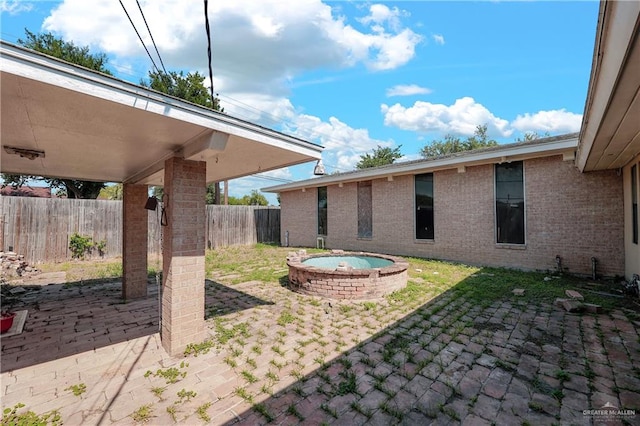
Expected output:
{"points": [[48, 44], [111, 192], [69, 188], [451, 144], [189, 87], [531, 136], [380, 156]]}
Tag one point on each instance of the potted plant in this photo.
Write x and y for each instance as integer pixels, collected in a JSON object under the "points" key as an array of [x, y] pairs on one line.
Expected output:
{"points": [[6, 321], [8, 300]]}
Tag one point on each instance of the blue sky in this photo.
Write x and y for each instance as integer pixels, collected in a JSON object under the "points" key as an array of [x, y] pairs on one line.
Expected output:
{"points": [[352, 75]]}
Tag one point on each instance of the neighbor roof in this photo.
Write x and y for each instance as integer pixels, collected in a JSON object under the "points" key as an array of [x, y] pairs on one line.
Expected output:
{"points": [[92, 126], [558, 145]]}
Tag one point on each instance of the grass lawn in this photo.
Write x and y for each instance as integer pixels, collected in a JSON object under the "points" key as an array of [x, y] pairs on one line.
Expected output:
{"points": [[427, 278]]}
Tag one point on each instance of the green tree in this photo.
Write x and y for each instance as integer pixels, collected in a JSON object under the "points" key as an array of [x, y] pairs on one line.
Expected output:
{"points": [[255, 199], [452, 144], [380, 156], [48, 44], [531, 136], [111, 192], [210, 197], [191, 88]]}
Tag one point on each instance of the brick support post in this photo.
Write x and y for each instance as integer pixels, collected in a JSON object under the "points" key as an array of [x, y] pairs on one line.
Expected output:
{"points": [[183, 257], [134, 241]]}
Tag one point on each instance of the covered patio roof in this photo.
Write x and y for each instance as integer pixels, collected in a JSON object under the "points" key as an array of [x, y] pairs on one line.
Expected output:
{"points": [[81, 124]]}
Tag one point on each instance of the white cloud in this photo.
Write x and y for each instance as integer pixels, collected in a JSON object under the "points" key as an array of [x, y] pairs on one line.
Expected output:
{"points": [[15, 7], [407, 90], [257, 46], [438, 38], [343, 144], [267, 110], [461, 118], [244, 186], [554, 121], [380, 14]]}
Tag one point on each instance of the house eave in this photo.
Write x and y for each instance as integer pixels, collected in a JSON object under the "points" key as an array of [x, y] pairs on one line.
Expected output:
{"points": [[565, 146], [609, 135]]}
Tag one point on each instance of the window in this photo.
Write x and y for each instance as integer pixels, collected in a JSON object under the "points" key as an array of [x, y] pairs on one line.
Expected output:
{"points": [[510, 203], [365, 223], [424, 206], [322, 210], [634, 203]]}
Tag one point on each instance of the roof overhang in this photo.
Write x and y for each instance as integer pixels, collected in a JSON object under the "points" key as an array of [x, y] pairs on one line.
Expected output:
{"points": [[80, 124], [560, 145], [610, 132]]}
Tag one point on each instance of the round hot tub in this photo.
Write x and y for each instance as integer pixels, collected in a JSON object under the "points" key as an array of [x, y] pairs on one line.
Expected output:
{"points": [[340, 275]]}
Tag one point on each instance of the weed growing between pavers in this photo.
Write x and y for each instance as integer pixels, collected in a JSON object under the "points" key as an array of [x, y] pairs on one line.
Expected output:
{"points": [[450, 320], [78, 389], [12, 416], [171, 375], [143, 414]]}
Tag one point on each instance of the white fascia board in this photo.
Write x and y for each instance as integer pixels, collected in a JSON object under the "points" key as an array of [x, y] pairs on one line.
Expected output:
{"points": [[42, 68], [469, 158]]}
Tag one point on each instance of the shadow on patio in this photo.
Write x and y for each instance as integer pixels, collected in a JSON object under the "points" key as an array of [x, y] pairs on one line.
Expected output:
{"points": [[458, 358], [69, 319]]}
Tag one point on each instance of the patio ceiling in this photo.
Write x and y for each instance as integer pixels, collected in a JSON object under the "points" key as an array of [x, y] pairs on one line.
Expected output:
{"points": [[95, 127], [610, 134]]}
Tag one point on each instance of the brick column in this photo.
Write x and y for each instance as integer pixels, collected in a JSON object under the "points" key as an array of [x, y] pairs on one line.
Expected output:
{"points": [[183, 257], [134, 241]]}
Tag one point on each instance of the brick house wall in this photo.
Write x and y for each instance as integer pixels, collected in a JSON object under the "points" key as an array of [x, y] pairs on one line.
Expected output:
{"points": [[301, 217], [576, 216]]}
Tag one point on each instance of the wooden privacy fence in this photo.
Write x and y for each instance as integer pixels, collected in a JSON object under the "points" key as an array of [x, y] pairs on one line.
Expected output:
{"points": [[40, 228]]}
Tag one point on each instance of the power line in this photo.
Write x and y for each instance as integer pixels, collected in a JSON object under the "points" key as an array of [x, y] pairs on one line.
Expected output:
{"points": [[151, 35], [139, 37], [273, 178], [208, 30]]}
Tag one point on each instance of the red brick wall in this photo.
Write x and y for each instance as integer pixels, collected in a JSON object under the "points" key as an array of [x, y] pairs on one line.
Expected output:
{"points": [[301, 217], [134, 241], [573, 215], [183, 256], [353, 284]]}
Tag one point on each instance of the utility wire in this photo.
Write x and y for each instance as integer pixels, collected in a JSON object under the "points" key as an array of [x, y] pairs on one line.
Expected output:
{"points": [[208, 29], [139, 37], [273, 178], [151, 35]]}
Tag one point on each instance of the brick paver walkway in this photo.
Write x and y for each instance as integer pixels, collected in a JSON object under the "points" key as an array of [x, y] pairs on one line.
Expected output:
{"points": [[289, 359]]}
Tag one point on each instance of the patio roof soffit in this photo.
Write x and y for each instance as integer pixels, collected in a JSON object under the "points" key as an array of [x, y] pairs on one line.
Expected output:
{"points": [[610, 131], [95, 127]]}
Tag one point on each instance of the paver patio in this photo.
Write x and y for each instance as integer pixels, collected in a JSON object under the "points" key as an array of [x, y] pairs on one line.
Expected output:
{"points": [[287, 358]]}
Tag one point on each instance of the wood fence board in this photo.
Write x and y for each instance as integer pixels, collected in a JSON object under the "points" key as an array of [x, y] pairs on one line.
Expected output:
{"points": [[40, 228]]}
